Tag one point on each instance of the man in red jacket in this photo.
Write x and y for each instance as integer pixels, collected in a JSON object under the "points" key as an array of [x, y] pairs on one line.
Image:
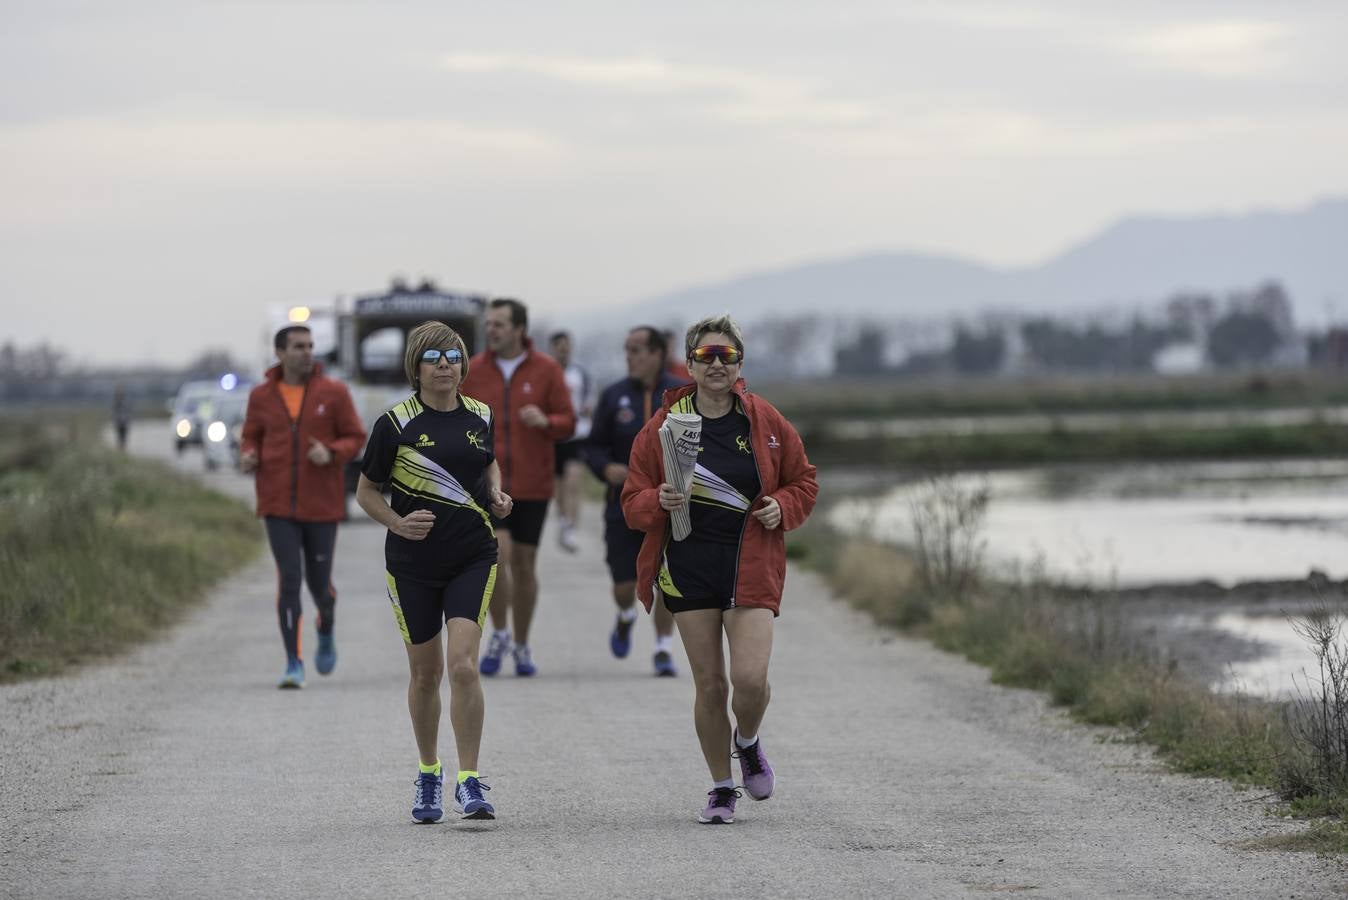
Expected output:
{"points": [[300, 430], [527, 393]]}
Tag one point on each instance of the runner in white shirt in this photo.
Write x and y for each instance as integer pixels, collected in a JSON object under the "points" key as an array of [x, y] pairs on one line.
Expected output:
{"points": [[570, 464]]}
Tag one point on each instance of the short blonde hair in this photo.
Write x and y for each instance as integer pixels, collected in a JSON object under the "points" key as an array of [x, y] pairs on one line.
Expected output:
{"points": [[430, 336], [712, 325]]}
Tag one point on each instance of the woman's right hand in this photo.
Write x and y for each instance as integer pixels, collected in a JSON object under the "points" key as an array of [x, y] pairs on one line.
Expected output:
{"points": [[670, 498], [415, 525]]}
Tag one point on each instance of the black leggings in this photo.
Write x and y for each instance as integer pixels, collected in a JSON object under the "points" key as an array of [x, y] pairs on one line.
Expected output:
{"points": [[303, 551]]}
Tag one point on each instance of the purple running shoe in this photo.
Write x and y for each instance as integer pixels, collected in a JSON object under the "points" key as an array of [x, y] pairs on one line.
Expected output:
{"points": [[720, 807], [755, 770]]}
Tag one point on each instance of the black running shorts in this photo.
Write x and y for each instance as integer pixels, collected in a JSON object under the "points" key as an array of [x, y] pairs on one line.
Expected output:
{"points": [[525, 522], [698, 575], [421, 607], [564, 452], [622, 546]]}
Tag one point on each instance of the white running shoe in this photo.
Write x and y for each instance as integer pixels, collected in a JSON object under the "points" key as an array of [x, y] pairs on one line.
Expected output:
{"points": [[566, 538]]}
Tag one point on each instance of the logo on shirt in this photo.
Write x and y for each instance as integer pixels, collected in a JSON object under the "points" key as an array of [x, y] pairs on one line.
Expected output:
{"points": [[742, 443], [322, 408], [528, 388], [773, 443], [425, 441], [475, 439]]}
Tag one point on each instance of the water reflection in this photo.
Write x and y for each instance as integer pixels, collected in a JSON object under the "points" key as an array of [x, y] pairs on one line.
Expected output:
{"points": [[1285, 667], [1144, 524], [1148, 524]]}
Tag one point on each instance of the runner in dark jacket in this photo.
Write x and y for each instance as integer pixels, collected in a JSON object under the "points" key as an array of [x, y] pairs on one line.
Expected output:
{"points": [[624, 407]]}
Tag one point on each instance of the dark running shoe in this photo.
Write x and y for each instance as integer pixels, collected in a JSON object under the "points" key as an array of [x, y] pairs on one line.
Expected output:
{"points": [[720, 807], [469, 801], [524, 661], [294, 676], [755, 770], [620, 639], [428, 803], [325, 660], [497, 647], [664, 665]]}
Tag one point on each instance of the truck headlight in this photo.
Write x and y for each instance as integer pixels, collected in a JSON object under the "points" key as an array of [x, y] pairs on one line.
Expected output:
{"points": [[184, 427], [216, 431]]}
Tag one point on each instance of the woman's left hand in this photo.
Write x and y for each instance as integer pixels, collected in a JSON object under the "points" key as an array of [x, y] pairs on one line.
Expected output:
{"points": [[769, 515], [501, 504]]}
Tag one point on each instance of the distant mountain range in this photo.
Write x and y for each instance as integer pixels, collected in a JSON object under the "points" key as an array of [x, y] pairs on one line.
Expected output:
{"points": [[1138, 262]]}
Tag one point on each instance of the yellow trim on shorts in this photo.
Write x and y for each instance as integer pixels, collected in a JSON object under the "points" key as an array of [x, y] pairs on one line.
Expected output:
{"points": [[486, 596], [666, 583], [397, 607]]}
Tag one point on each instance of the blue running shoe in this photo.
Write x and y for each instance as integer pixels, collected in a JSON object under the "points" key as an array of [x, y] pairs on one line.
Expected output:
{"points": [[497, 647], [664, 664], [294, 676], [620, 639], [468, 799], [524, 661], [325, 660], [428, 803]]}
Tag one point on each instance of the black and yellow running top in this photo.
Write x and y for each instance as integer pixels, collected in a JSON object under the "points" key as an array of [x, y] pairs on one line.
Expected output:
{"points": [[436, 461], [725, 481]]}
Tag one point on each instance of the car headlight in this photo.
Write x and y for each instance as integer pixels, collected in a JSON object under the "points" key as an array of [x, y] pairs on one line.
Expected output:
{"points": [[216, 431], [184, 427]]}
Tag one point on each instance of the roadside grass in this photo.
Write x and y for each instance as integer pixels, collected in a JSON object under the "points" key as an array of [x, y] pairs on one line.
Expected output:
{"points": [[1320, 837], [1072, 644], [99, 550]]}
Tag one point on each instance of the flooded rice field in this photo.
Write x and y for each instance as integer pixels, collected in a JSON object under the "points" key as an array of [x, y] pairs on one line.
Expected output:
{"points": [[1197, 539]]}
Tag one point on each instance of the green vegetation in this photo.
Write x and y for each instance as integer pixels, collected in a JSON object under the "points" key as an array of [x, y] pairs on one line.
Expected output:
{"points": [[817, 409], [1321, 837], [1059, 445], [885, 398], [1073, 645], [98, 550]]}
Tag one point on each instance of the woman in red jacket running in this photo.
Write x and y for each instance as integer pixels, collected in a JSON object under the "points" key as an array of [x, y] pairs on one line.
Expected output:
{"points": [[752, 483]]}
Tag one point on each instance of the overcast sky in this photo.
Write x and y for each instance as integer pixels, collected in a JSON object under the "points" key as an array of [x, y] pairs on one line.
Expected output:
{"points": [[170, 170]]}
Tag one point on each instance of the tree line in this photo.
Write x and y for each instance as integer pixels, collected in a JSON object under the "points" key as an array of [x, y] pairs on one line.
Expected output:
{"points": [[1249, 328]]}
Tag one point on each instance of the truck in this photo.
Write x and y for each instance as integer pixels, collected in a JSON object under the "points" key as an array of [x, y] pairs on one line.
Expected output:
{"points": [[361, 342], [371, 337]]}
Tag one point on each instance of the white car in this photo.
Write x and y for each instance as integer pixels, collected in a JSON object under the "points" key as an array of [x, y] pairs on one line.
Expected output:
{"points": [[187, 413], [222, 431]]}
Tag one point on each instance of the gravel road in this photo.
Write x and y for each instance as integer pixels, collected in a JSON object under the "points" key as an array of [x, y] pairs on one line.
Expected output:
{"points": [[180, 769]]}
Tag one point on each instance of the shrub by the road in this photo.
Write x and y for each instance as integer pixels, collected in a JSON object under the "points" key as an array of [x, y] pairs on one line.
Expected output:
{"points": [[1072, 644], [98, 550]]}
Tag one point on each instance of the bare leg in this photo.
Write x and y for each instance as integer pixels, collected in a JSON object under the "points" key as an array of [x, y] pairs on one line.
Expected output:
{"points": [[750, 634], [465, 689], [427, 667], [700, 630], [625, 594], [660, 614], [524, 588], [568, 492], [505, 582]]}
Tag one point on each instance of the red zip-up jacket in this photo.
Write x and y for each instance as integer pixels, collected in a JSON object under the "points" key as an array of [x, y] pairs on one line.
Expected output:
{"points": [[785, 475], [525, 454], [288, 485]]}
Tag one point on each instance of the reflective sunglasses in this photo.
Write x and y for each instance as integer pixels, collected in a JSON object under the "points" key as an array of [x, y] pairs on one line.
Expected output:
{"points": [[452, 355], [726, 354]]}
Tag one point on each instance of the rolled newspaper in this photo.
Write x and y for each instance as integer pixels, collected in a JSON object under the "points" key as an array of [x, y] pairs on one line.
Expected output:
{"points": [[680, 439]]}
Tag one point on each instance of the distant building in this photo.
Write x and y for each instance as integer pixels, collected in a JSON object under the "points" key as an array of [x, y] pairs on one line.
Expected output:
{"points": [[1180, 359]]}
